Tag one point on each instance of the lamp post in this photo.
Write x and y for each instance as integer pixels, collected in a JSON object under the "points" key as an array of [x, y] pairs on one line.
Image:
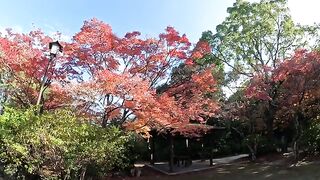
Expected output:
{"points": [[54, 47]]}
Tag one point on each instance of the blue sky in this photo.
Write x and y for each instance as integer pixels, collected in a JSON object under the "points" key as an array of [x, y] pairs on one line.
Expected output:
{"points": [[147, 16]]}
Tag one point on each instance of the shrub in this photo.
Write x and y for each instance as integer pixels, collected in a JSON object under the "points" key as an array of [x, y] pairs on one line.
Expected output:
{"points": [[311, 136], [57, 145]]}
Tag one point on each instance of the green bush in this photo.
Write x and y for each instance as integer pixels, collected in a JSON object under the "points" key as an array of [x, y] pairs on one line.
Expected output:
{"points": [[137, 149], [311, 136], [57, 145]]}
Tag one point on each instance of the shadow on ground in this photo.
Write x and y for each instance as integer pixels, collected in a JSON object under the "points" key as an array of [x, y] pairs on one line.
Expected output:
{"points": [[248, 171], [269, 170]]}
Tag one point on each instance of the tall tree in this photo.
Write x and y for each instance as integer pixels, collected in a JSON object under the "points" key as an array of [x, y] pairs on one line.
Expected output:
{"points": [[254, 38], [298, 81], [118, 78]]}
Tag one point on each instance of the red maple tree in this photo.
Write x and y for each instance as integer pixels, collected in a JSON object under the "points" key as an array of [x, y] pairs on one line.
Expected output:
{"points": [[121, 75], [111, 79]]}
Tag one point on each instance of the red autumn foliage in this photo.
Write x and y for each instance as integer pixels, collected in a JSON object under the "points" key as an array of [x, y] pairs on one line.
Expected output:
{"points": [[297, 81], [22, 65], [117, 77]]}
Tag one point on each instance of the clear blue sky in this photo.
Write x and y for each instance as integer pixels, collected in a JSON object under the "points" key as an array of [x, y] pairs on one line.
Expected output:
{"points": [[148, 16]]}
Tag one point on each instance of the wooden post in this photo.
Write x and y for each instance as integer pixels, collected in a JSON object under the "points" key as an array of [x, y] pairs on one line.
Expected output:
{"points": [[151, 150], [211, 153], [202, 152], [187, 143], [171, 152], [188, 160]]}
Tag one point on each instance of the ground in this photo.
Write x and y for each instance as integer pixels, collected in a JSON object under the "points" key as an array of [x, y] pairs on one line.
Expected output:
{"points": [[249, 171], [266, 168], [197, 165]]}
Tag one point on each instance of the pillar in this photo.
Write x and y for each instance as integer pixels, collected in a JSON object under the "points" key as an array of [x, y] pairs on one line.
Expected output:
{"points": [[171, 152]]}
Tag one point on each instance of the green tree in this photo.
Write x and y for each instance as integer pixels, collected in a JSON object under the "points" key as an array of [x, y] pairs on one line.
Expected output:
{"points": [[255, 35], [253, 39]]}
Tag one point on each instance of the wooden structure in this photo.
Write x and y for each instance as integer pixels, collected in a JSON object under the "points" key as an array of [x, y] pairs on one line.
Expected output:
{"points": [[180, 160]]}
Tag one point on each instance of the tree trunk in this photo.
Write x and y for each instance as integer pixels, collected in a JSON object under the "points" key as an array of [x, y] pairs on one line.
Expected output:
{"points": [[284, 144], [211, 152], [63, 175], [171, 151], [253, 150], [104, 120], [269, 114], [295, 150], [297, 137], [83, 174], [211, 158], [252, 153]]}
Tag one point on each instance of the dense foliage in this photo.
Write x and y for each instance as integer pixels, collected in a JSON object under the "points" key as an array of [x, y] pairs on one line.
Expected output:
{"points": [[90, 108], [73, 110], [57, 145]]}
